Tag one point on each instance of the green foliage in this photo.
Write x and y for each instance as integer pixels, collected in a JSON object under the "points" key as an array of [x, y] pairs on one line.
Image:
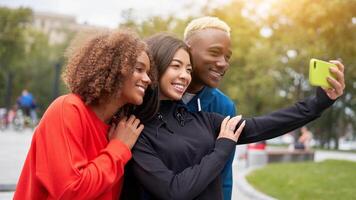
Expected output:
{"points": [[39, 68], [154, 24], [12, 40], [12, 24], [325, 30], [331, 179], [26, 56]]}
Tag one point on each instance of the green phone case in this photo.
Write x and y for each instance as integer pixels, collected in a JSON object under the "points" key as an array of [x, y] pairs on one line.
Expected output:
{"points": [[318, 72]]}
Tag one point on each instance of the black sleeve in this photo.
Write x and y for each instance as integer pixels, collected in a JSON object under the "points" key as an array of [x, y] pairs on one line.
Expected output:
{"points": [[187, 184], [215, 120], [285, 120]]}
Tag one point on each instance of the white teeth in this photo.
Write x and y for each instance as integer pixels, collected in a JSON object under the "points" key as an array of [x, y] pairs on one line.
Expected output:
{"points": [[179, 86], [216, 73], [141, 88]]}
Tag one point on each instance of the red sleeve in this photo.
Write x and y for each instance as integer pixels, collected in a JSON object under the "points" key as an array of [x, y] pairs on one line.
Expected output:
{"points": [[62, 164]]}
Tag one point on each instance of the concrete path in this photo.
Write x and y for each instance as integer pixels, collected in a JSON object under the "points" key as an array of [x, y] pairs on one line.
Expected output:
{"points": [[323, 155], [13, 150]]}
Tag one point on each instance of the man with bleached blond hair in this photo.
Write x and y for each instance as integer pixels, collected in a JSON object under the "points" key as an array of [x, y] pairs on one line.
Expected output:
{"points": [[210, 45]]}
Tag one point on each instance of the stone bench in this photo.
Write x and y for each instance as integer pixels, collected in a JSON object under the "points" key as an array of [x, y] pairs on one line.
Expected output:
{"points": [[257, 158], [289, 156]]}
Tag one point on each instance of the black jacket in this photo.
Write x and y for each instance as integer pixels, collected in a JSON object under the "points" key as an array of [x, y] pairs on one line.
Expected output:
{"points": [[178, 156]]}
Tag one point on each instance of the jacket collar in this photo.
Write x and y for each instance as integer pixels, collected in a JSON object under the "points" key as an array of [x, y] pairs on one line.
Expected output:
{"points": [[171, 110], [202, 99]]}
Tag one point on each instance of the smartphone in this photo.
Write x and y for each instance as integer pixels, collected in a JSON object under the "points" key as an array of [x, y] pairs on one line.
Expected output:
{"points": [[319, 71]]}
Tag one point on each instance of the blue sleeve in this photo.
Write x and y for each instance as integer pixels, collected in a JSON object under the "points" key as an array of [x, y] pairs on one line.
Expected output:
{"points": [[226, 108], [232, 110]]}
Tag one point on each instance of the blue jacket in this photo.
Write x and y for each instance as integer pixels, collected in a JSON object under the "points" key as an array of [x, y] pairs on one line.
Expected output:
{"points": [[213, 100]]}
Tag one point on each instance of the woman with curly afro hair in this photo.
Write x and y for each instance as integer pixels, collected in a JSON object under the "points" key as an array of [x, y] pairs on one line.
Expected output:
{"points": [[84, 139]]}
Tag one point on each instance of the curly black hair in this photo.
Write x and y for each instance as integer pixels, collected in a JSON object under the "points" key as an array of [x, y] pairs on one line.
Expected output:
{"points": [[97, 69]]}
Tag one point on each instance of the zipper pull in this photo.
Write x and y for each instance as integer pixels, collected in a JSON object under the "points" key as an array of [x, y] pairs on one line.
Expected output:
{"points": [[199, 106]]}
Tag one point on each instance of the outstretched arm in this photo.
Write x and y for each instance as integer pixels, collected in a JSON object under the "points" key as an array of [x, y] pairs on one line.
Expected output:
{"points": [[282, 121]]}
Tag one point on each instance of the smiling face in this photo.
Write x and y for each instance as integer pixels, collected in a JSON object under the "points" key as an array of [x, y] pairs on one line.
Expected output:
{"points": [[211, 51], [134, 87], [177, 76]]}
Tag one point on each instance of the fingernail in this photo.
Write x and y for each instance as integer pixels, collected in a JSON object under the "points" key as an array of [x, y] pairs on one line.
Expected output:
{"points": [[332, 69]]}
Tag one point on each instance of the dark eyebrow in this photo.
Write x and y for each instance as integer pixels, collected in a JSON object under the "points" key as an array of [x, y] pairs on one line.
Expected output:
{"points": [[180, 62], [219, 47], [215, 48], [143, 64]]}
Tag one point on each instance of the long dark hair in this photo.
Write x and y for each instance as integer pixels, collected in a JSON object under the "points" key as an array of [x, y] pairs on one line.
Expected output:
{"points": [[162, 48]]}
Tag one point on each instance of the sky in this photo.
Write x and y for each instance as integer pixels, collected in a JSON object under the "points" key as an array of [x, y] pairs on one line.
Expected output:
{"points": [[108, 12]]}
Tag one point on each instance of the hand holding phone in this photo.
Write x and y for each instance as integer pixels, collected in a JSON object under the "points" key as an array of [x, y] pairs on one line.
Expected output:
{"points": [[319, 71]]}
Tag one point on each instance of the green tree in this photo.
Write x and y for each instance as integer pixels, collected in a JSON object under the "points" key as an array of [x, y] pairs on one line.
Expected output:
{"points": [[13, 22], [154, 24], [27, 59], [325, 30]]}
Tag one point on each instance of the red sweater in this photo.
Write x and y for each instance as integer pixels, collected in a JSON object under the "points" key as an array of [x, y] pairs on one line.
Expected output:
{"points": [[70, 156]]}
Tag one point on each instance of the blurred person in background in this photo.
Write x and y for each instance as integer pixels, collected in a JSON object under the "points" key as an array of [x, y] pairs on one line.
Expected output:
{"points": [[304, 140], [27, 104]]}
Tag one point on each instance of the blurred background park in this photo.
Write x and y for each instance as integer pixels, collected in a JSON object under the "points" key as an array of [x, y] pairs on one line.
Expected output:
{"points": [[272, 43]]}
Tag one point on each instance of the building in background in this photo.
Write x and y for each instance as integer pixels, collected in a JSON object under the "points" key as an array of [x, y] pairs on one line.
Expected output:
{"points": [[59, 26]]}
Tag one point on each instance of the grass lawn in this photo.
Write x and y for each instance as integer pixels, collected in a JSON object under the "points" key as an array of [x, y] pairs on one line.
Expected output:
{"points": [[331, 179]]}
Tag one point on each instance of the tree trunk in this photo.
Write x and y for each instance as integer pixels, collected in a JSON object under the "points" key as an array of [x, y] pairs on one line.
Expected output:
{"points": [[9, 88], [57, 72]]}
